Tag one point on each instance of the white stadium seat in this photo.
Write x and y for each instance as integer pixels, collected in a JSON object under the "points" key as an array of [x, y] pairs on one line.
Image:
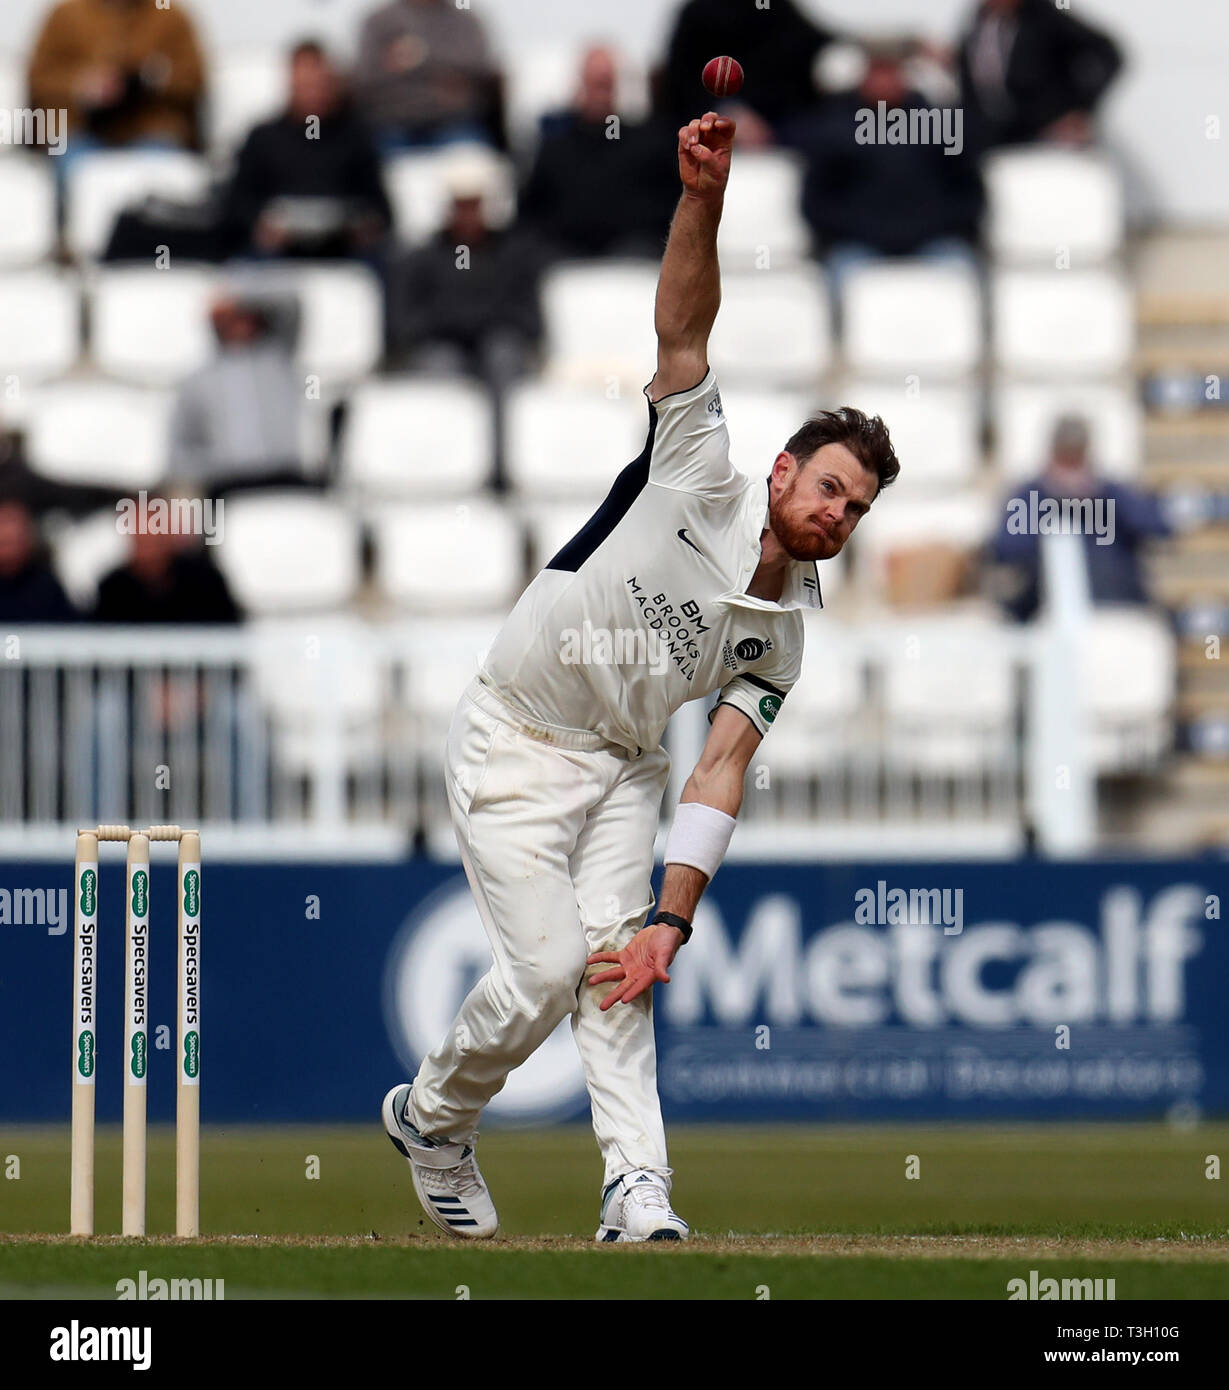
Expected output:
{"points": [[417, 437], [912, 318], [774, 327], [762, 227], [151, 327], [418, 187], [949, 698], [289, 552], [1129, 669], [40, 324], [444, 657], [760, 423], [1025, 414], [341, 328], [246, 87], [467, 556], [85, 552], [27, 195], [306, 668], [102, 184], [935, 432], [1043, 201], [1049, 323], [342, 332], [811, 732], [570, 441], [99, 432], [599, 323]]}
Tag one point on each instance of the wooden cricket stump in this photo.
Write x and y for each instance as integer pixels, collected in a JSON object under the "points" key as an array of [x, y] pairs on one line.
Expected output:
{"points": [[136, 1025]]}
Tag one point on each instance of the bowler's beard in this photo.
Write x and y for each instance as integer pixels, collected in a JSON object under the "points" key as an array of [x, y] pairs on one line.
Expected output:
{"points": [[799, 539]]}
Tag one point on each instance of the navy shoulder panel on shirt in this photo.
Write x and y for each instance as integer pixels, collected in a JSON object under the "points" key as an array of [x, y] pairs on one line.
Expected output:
{"points": [[630, 483]]}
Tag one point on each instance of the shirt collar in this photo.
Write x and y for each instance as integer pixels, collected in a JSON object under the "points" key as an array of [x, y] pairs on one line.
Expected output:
{"points": [[801, 576]]}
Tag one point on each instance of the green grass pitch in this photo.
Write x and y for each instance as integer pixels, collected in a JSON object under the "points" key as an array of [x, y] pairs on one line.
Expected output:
{"points": [[806, 1212]]}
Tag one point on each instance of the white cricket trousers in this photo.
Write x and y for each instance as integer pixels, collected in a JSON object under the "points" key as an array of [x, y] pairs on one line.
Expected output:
{"points": [[556, 829]]}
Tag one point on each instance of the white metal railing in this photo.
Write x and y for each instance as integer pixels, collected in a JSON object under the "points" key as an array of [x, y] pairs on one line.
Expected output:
{"points": [[324, 738]]}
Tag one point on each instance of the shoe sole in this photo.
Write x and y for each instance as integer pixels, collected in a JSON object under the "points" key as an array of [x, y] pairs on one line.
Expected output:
{"points": [[393, 1130], [615, 1235]]}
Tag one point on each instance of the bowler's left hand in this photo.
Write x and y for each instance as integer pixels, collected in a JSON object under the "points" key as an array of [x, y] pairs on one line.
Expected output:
{"points": [[641, 964]]}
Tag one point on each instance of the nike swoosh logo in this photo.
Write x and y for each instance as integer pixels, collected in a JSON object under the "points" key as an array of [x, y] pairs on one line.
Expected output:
{"points": [[683, 536]]}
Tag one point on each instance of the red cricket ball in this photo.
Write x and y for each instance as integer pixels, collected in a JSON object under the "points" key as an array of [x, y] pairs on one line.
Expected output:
{"points": [[723, 77]]}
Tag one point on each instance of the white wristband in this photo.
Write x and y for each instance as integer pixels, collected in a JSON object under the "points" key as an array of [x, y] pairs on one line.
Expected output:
{"points": [[699, 836]]}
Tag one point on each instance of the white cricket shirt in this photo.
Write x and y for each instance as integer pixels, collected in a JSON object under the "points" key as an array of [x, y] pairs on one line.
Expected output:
{"points": [[646, 607]]}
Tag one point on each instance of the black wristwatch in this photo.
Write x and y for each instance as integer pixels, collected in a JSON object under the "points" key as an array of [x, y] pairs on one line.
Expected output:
{"points": [[672, 919]]}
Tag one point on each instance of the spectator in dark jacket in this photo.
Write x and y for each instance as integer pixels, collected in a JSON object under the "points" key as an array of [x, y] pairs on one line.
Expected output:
{"points": [[308, 183], [468, 300], [167, 578], [865, 196], [29, 589], [777, 46], [1031, 71], [1115, 522], [601, 185]]}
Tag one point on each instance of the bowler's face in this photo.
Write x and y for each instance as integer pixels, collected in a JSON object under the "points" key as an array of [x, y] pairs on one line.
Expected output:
{"points": [[814, 508]]}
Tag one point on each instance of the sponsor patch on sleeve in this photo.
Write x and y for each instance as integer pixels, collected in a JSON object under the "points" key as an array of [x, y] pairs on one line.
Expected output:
{"points": [[769, 705]]}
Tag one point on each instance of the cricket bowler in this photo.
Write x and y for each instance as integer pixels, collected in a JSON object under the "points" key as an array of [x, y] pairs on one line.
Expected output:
{"points": [[554, 766]]}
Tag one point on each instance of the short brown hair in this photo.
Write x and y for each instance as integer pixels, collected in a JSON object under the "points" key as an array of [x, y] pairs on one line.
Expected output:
{"points": [[865, 436]]}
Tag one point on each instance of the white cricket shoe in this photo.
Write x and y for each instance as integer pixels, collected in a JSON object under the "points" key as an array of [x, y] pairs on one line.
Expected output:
{"points": [[637, 1207], [446, 1176]]}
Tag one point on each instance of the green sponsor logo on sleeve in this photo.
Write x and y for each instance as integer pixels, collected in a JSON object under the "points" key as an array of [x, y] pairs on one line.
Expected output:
{"points": [[769, 705]]}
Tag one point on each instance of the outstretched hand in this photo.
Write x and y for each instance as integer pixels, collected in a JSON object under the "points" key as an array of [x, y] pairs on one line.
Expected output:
{"points": [[641, 964], [705, 147]]}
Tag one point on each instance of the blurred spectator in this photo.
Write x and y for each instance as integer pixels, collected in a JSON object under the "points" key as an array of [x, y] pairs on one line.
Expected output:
{"points": [[308, 182], [1113, 530], [237, 420], [128, 72], [425, 75], [866, 200], [29, 589], [167, 578], [468, 300], [777, 47], [591, 195], [1029, 70]]}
